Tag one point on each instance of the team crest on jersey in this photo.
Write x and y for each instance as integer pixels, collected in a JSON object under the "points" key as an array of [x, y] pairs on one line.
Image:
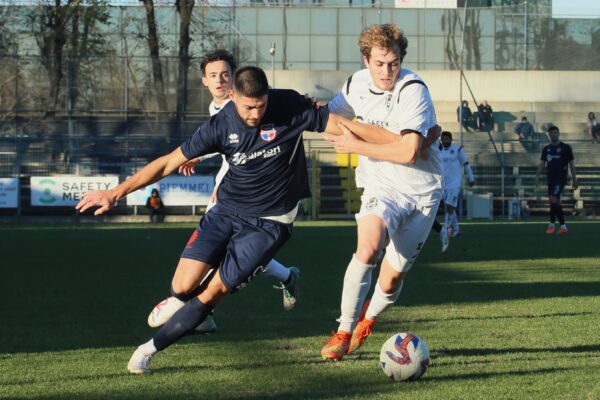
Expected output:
{"points": [[371, 203], [388, 102], [268, 132], [452, 151], [233, 138], [558, 149]]}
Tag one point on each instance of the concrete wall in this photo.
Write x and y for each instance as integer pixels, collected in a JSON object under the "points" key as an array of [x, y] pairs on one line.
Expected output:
{"points": [[495, 86]]}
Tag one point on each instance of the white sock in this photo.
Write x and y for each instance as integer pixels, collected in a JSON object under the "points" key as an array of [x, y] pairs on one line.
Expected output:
{"points": [[357, 282], [381, 301], [454, 219], [277, 270], [149, 347]]}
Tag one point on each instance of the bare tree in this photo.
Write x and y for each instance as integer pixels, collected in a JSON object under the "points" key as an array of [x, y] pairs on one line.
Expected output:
{"points": [[154, 48], [67, 29], [184, 8]]}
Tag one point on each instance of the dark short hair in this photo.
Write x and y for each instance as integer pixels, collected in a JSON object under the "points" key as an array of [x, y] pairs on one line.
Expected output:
{"points": [[524, 118], [446, 133], [250, 82], [553, 128], [218, 55]]}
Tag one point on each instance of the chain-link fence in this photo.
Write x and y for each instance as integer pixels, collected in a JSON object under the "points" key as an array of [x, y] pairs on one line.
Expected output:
{"points": [[108, 69]]}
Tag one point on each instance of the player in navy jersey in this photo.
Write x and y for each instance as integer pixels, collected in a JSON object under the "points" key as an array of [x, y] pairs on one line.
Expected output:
{"points": [[217, 74], [260, 134], [557, 156]]}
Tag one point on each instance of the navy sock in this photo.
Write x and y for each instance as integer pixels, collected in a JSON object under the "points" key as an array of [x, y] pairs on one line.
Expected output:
{"points": [[183, 321], [552, 213], [560, 214]]}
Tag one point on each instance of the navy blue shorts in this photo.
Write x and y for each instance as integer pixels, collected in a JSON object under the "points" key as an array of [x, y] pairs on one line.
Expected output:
{"points": [[241, 245], [555, 188]]}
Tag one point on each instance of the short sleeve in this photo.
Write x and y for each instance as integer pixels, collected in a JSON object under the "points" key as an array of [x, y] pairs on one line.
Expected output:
{"points": [[339, 105], [570, 154], [416, 110], [305, 113], [203, 141]]}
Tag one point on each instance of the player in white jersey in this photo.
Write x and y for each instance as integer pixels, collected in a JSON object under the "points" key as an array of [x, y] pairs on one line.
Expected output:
{"points": [[217, 73], [402, 180], [453, 160]]}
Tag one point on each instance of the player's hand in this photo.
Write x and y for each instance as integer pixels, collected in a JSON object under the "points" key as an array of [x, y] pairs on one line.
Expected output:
{"points": [[189, 168], [313, 100], [471, 183], [105, 199], [345, 143]]}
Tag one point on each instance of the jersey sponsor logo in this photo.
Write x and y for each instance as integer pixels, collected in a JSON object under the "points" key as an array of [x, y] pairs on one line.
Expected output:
{"points": [[242, 158], [268, 132], [370, 121], [233, 138], [371, 203]]}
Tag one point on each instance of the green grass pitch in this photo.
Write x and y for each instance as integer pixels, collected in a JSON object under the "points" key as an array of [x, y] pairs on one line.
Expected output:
{"points": [[508, 313]]}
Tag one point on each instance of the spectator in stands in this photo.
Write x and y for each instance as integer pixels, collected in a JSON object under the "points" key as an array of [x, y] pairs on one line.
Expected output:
{"points": [[467, 116], [593, 127], [524, 129], [485, 117], [156, 208], [556, 156]]}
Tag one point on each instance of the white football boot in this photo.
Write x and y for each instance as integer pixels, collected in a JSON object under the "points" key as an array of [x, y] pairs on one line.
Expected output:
{"points": [[139, 363], [163, 311]]}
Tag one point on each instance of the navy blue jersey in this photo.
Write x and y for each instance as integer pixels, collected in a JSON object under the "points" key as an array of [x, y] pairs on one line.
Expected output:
{"points": [[557, 159], [267, 167]]}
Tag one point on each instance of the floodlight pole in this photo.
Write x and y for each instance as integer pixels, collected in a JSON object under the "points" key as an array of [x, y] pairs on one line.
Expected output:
{"points": [[272, 52], [525, 40], [462, 47]]}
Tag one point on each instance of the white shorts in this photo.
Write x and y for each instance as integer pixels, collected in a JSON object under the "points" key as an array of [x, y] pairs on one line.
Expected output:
{"points": [[408, 220], [451, 197]]}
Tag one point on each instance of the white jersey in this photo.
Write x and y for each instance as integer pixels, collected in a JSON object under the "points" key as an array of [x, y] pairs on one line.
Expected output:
{"points": [[454, 159], [401, 108], [212, 110]]}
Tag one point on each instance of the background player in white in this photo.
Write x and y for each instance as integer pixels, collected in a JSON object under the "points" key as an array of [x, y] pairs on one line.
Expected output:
{"points": [[402, 190], [217, 69], [453, 160]]}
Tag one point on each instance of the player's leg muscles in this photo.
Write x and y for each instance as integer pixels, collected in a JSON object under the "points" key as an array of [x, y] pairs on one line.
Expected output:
{"points": [[187, 277], [372, 235]]}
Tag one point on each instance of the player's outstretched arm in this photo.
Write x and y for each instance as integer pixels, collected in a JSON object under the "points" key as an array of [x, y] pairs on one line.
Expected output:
{"points": [[404, 150], [153, 172], [366, 132]]}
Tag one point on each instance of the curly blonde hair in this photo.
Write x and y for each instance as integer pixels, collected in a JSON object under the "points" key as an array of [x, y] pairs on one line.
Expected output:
{"points": [[387, 36]]}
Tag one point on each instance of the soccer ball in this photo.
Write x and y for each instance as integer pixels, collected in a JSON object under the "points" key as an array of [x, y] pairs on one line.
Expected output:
{"points": [[404, 356]]}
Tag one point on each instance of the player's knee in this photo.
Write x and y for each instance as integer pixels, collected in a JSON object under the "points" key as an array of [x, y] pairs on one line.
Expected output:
{"points": [[367, 254], [181, 288]]}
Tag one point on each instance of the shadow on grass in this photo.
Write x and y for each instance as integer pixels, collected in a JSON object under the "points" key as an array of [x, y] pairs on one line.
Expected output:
{"points": [[94, 288]]}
